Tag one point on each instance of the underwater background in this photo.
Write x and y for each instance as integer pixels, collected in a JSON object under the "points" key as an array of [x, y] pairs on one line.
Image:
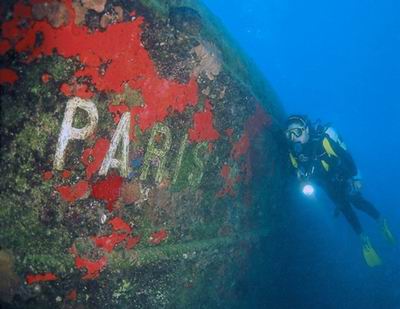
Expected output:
{"points": [[338, 62], [144, 164]]}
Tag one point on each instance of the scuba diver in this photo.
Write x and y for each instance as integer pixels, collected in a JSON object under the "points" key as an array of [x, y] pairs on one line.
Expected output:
{"points": [[320, 157]]}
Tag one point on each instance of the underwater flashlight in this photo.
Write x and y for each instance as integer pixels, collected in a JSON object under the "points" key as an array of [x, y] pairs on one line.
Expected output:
{"points": [[308, 189]]}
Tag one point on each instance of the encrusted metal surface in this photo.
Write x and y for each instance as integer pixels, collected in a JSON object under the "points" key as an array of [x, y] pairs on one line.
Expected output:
{"points": [[140, 157]]}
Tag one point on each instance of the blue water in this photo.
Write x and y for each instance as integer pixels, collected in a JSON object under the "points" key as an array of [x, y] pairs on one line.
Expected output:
{"points": [[338, 61]]}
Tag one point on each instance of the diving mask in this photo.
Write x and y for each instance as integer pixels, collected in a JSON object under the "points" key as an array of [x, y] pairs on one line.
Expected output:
{"points": [[296, 132]]}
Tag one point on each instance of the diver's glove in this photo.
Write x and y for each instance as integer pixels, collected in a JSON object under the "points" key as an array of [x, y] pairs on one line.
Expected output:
{"points": [[305, 174], [301, 174], [354, 185]]}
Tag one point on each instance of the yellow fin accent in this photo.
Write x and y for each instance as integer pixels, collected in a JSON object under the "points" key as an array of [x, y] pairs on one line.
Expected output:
{"points": [[387, 233], [371, 257], [293, 160], [325, 165], [328, 148]]}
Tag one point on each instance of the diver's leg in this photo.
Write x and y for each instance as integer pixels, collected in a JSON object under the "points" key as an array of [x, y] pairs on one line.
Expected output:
{"points": [[338, 194], [351, 217], [361, 203], [341, 200]]}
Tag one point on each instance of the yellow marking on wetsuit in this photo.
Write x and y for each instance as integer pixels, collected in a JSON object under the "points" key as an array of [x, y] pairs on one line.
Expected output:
{"points": [[293, 160], [328, 148], [325, 165]]}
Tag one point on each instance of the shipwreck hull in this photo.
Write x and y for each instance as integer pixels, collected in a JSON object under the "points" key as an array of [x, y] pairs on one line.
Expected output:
{"points": [[140, 156]]}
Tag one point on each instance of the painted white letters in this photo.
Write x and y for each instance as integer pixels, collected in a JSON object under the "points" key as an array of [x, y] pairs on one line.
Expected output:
{"points": [[69, 133], [121, 135], [155, 158]]}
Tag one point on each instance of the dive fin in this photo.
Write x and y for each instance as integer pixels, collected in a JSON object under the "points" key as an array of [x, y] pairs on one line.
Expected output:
{"points": [[370, 255], [387, 233]]}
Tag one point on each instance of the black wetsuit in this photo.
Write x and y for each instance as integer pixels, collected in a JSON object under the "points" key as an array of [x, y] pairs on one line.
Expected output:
{"points": [[324, 161]]}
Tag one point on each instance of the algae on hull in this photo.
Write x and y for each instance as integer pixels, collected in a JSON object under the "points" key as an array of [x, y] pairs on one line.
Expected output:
{"points": [[195, 203]]}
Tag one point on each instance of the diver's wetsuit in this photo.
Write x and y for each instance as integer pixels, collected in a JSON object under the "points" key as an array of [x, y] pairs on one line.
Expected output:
{"points": [[324, 160], [343, 199]]}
